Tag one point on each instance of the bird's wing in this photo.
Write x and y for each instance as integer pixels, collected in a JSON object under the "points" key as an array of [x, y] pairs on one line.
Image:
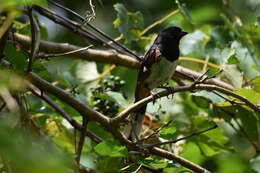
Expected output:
{"points": [[152, 56]]}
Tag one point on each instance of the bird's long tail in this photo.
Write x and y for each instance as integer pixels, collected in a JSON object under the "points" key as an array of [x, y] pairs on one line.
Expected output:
{"points": [[137, 117], [136, 122]]}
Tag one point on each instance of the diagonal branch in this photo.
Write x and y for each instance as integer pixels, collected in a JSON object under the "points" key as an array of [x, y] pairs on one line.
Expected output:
{"points": [[68, 99], [124, 114], [182, 138], [62, 112], [75, 27], [96, 29], [105, 122], [166, 154]]}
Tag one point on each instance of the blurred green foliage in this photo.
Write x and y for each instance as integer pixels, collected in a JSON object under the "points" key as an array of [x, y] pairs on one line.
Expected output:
{"points": [[225, 33]]}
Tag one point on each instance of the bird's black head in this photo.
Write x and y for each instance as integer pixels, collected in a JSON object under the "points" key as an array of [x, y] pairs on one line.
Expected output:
{"points": [[168, 42], [172, 33]]}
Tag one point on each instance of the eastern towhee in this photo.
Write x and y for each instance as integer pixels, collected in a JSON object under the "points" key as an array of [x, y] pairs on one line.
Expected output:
{"points": [[158, 66]]}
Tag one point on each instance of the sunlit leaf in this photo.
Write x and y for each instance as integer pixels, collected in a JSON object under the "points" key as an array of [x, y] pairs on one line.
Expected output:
{"points": [[118, 98], [16, 57], [193, 43], [129, 24], [14, 3], [168, 132], [256, 84], [207, 149], [232, 75], [251, 95], [255, 163], [246, 61], [209, 95], [111, 149], [26, 147], [192, 152], [8, 78], [61, 136]]}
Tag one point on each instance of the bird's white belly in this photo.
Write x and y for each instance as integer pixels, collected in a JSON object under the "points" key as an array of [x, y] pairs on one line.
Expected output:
{"points": [[160, 73]]}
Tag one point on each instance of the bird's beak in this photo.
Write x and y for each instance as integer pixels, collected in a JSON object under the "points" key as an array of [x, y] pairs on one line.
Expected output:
{"points": [[183, 33]]}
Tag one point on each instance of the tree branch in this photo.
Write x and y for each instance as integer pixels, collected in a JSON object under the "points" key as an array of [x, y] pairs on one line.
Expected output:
{"points": [[182, 138], [105, 121], [90, 54], [111, 57], [95, 28], [36, 37], [166, 154], [172, 90], [62, 112]]}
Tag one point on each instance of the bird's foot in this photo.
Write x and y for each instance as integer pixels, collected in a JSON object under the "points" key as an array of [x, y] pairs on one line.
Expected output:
{"points": [[170, 90], [155, 96]]}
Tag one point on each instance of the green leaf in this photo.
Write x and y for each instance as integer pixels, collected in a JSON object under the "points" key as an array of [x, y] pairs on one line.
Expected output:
{"points": [[207, 149], [14, 3], [41, 70], [193, 43], [209, 95], [219, 36], [86, 71], [217, 135], [247, 119], [192, 152], [39, 2], [129, 24], [255, 163], [184, 11], [155, 163], [256, 84], [111, 148], [118, 98], [250, 94], [246, 61], [233, 60], [232, 75], [11, 81], [49, 157], [211, 142], [168, 132], [16, 57]]}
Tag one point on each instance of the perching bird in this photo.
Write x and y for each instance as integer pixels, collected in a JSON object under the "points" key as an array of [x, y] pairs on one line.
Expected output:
{"points": [[158, 66]]}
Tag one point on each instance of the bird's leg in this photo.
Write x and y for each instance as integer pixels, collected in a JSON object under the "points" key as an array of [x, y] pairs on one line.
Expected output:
{"points": [[167, 87], [155, 96]]}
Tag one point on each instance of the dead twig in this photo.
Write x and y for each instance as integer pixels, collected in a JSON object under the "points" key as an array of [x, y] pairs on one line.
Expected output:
{"points": [[182, 138]]}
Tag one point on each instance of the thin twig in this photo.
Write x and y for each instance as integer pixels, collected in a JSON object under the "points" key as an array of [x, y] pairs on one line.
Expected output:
{"points": [[227, 99], [156, 132], [2, 106], [182, 138], [92, 15], [240, 131], [7, 23], [191, 87], [103, 56], [63, 113], [168, 155], [126, 50], [81, 139], [36, 37], [46, 56], [159, 21]]}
